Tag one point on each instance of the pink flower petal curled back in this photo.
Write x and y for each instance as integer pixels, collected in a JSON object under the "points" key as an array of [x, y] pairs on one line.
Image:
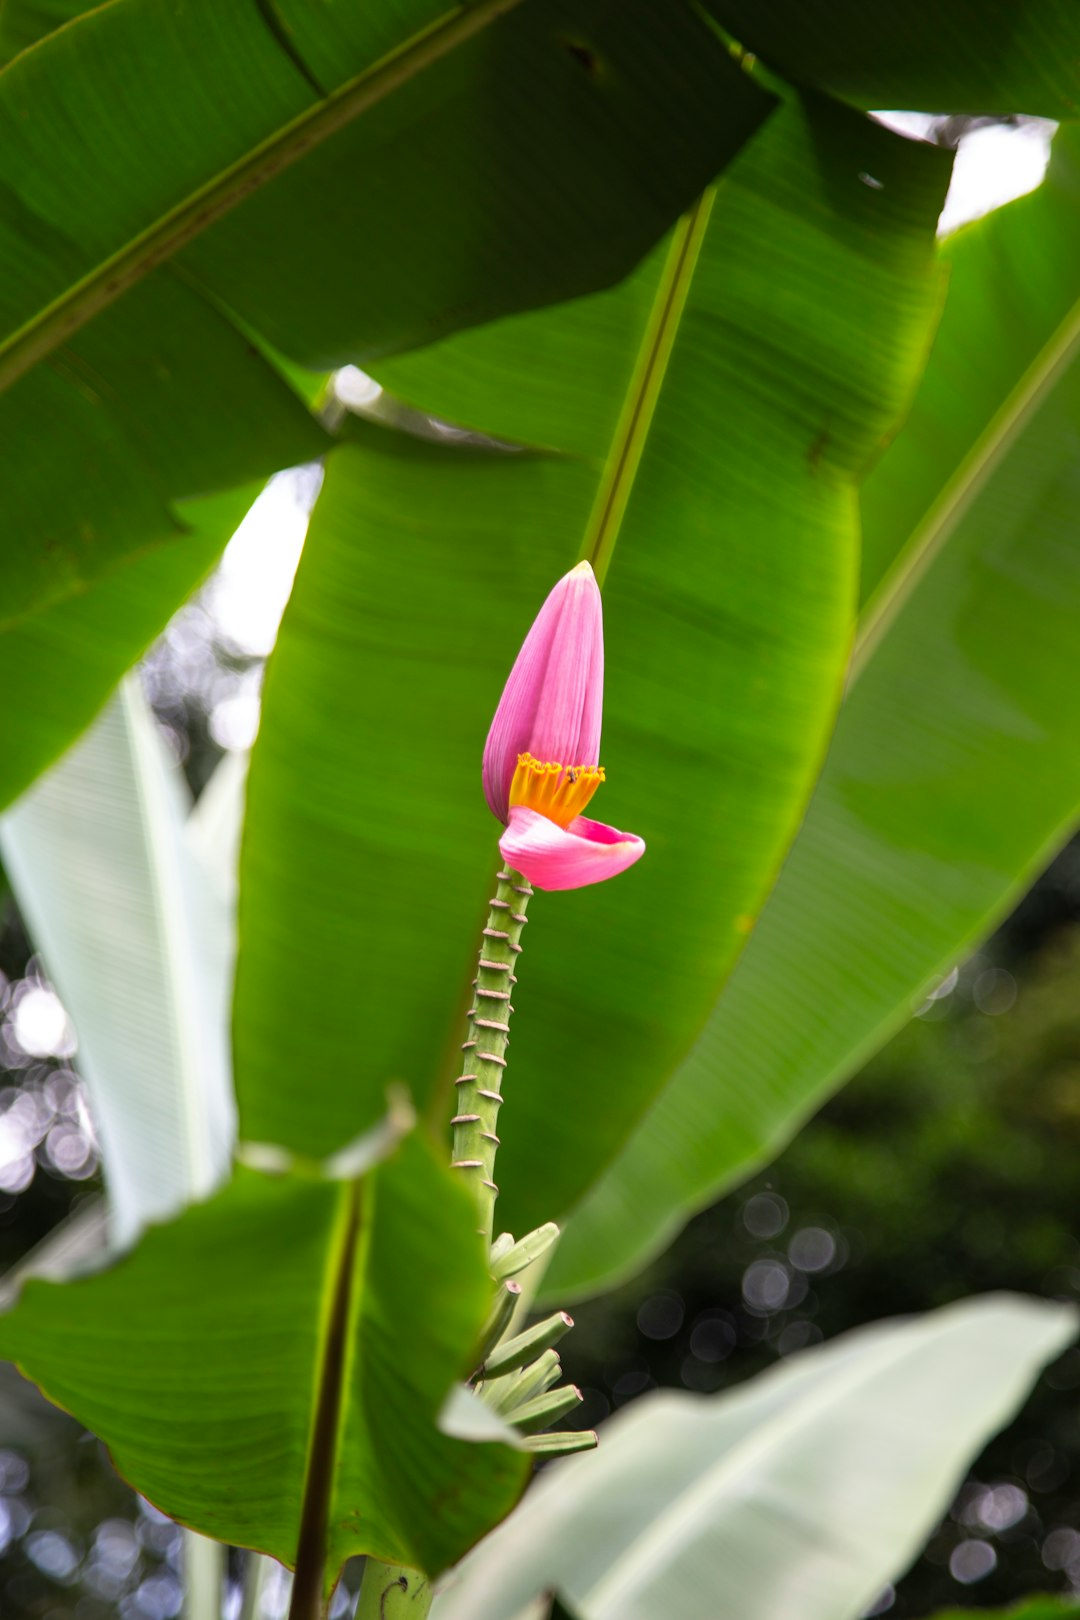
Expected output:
{"points": [[552, 702], [541, 760], [554, 857]]}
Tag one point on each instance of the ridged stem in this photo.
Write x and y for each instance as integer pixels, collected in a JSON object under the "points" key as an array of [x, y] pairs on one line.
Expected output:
{"points": [[479, 1088]]}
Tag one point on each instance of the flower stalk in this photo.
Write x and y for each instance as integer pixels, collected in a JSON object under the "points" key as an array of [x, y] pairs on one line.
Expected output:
{"points": [[541, 769], [479, 1087]]}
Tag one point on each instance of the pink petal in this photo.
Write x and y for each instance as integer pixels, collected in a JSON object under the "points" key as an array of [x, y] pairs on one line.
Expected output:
{"points": [[553, 699], [554, 857]]}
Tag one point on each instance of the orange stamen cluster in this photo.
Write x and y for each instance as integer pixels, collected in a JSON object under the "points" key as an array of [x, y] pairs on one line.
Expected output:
{"points": [[559, 792]]}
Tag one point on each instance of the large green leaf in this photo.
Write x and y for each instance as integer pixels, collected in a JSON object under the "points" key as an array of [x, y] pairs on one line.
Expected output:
{"points": [[286, 141], [648, 105], [136, 938], [804, 1491], [149, 405], [979, 56], [205, 1360], [709, 417], [954, 772], [58, 667]]}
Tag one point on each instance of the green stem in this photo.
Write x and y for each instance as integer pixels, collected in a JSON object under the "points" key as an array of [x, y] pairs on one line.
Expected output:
{"points": [[479, 1089], [306, 1602], [392, 1592]]}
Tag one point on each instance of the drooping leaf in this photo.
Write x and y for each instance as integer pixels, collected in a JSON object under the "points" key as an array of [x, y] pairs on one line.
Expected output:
{"points": [[203, 1357], [821, 1478], [653, 103], [129, 897], [954, 772], [136, 940], [58, 667], [701, 427], [284, 142], [161, 401], [977, 56]]}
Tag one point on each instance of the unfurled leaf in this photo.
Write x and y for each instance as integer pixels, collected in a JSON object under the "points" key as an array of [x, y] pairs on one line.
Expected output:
{"points": [[821, 1478]]}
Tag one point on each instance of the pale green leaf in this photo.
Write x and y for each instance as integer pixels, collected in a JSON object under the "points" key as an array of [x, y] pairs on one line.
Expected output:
{"points": [[814, 1484], [138, 944]]}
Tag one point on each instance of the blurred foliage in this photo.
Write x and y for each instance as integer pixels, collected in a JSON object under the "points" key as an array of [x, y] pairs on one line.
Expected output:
{"points": [[946, 1169]]}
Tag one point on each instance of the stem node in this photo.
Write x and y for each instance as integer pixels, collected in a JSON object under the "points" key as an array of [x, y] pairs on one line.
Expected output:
{"points": [[480, 1087]]}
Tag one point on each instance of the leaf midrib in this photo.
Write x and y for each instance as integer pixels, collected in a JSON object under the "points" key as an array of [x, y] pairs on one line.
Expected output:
{"points": [[114, 276], [683, 1514], [177, 948], [960, 492], [616, 483], [312, 1548], [635, 422]]}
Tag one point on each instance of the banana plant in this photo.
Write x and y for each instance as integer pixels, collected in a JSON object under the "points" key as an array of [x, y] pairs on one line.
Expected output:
{"points": [[648, 311]]}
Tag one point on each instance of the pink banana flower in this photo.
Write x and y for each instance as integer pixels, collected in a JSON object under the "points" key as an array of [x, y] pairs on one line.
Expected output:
{"points": [[541, 758]]}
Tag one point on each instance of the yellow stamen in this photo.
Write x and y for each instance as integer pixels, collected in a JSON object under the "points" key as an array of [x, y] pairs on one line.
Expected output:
{"points": [[559, 792]]}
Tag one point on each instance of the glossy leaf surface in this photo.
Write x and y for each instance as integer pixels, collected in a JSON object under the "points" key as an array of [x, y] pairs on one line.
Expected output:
{"points": [[722, 505], [200, 1359], [730, 1504], [953, 776]]}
